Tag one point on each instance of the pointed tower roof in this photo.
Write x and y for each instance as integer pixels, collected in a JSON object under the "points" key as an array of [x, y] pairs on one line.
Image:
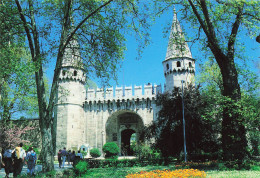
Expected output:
{"points": [[177, 47], [71, 56]]}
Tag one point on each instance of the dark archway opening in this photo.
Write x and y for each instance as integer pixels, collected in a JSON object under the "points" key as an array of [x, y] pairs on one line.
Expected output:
{"points": [[126, 142]]}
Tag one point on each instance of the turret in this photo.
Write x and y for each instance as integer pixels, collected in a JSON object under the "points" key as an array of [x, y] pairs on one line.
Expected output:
{"points": [[178, 64], [70, 98]]}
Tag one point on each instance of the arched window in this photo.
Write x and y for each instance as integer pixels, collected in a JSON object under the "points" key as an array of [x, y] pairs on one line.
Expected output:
{"points": [[75, 73], [190, 64], [63, 72], [167, 66], [178, 64]]}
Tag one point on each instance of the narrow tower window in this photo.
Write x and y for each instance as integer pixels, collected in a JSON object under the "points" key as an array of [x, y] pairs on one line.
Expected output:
{"points": [[178, 64], [75, 73], [167, 66], [63, 72], [190, 64]]}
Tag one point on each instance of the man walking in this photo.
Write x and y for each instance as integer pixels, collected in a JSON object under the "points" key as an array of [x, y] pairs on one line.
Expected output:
{"points": [[59, 158], [31, 158], [8, 161], [18, 156], [64, 154]]}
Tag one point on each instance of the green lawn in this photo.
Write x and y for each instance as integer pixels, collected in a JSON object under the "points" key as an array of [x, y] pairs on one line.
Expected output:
{"points": [[233, 174], [122, 172]]}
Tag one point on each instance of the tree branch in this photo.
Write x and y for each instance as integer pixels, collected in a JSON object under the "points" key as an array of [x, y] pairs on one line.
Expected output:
{"points": [[199, 18], [209, 31], [232, 37], [209, 24], [26, 29], [255, 17], [84, 20]]}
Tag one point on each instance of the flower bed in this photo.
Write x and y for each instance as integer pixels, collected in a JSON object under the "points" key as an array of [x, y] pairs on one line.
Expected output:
{"points": [[180, 173]]}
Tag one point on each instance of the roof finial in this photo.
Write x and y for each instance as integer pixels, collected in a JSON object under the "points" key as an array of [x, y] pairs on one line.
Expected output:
{"points": [[174, 15]]}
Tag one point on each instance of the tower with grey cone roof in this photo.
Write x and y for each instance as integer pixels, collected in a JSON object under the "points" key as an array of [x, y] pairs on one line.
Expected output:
{"points": [[178, 64]]}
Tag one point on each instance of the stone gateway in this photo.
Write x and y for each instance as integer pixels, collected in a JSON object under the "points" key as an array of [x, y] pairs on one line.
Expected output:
{"points": [[97, 116]]}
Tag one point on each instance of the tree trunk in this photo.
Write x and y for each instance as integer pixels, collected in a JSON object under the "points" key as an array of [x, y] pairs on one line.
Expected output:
{"points": [[47, 146], [233, 131]]}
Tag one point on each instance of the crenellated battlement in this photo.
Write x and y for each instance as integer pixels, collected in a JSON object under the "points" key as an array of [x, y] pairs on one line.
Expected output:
{"points": [[123, 93], [72, 74]]}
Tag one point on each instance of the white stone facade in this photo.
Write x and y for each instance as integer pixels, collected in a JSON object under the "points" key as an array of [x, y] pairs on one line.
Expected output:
{"points": [[94, 117]]}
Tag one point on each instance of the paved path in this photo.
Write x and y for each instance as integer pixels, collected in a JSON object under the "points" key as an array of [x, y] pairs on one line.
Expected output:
{"points": [[38, 168]]}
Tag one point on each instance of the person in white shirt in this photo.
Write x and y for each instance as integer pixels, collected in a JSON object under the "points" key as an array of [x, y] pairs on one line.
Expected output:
{"points": [[80, 155], [18, 156]]}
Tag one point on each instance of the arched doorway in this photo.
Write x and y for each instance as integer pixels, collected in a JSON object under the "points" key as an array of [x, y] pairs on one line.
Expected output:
{"points": [[124, 127], [126, 146]]}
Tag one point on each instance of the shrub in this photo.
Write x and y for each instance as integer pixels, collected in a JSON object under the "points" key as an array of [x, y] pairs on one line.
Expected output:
{"points": [[95, 163], [111, 150], [84, 153], [95, 152], [81, 168], [144, 151]]}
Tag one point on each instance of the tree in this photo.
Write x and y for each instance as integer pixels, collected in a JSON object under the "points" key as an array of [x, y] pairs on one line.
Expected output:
{"points": [[201, 136], [210, 79], [98, 26], [219, 25], [17, 86], [10, 137]]}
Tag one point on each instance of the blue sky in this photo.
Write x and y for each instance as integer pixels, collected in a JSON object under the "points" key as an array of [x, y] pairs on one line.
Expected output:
{"points": [[149, 68]]}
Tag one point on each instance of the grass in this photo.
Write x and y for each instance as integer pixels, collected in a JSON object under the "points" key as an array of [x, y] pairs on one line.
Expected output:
{"points": [[122, 172], [233, 174], [112, 172]]}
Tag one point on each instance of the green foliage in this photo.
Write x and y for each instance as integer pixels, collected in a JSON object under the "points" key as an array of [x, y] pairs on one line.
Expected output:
{"points": [[248, 106], [18, 92], [95, 152], [145, 151], [111, 150], [84, 153], [201, 134], [81, 168], [255, 168], [26, 147], [17, 85], [90, 84], [96, 163], [211, 169]]}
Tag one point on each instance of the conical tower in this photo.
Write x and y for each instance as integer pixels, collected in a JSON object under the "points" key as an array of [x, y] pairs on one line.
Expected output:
{"points": [[178, 64], [70, 98]]}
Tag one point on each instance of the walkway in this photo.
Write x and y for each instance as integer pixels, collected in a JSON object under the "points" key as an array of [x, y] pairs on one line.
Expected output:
{"points": [[38, 168]]}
